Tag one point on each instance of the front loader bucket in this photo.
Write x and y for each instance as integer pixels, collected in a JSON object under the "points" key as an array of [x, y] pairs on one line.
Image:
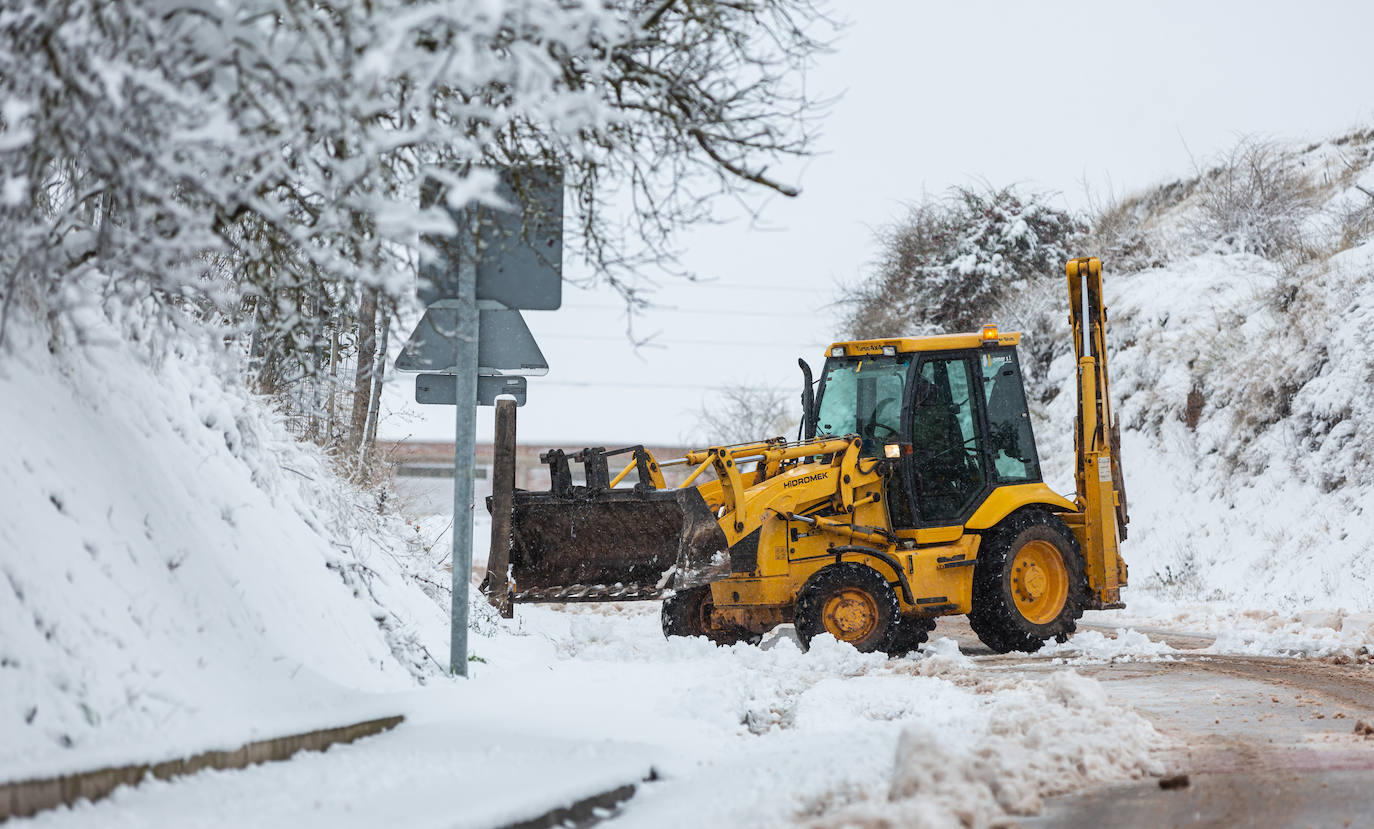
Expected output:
{"points": [[612, 544]]}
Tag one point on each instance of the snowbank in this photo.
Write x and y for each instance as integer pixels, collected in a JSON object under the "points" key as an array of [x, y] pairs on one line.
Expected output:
{"points": [[179, 574], [1040, 738], [1094, 647]]}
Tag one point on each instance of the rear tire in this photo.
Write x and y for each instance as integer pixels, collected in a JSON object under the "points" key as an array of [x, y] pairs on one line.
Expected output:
{"points": [[850, 601], [1028, 584]]}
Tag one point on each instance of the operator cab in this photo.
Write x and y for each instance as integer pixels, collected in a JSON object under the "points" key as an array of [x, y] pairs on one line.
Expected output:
{"points": [[949, 410]]}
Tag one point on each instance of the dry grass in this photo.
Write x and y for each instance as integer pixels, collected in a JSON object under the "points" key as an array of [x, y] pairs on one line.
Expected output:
{"points": [[1257, 201]]}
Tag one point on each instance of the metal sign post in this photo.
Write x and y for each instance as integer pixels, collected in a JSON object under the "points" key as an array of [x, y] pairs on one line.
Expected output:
{"points": [[464, 457], [472, 334]]}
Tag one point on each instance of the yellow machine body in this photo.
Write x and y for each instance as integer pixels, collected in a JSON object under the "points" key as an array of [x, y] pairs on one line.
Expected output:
{"points": [[932, 566], [758, 521]]}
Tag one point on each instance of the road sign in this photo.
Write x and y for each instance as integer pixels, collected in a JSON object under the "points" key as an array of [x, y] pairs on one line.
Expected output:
{"points": [[505, 345], [519, 253], [442, 389]]}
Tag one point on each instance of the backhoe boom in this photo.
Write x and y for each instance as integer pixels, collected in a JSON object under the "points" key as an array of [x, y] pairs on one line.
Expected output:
{"points": [[1097, 471]]}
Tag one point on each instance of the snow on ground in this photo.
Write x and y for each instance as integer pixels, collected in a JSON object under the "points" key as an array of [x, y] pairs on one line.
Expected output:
{"points": [[1247, 633], [1236, 629], [1092, 647], [777, 736]]}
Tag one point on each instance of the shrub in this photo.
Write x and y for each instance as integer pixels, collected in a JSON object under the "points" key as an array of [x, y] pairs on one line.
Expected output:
{"points": [[1256, 201], [976, 256]]}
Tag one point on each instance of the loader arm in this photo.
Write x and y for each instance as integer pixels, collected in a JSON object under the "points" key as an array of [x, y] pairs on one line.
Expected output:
{"points": [[1101, 495], [744, 499], [605, 541]]}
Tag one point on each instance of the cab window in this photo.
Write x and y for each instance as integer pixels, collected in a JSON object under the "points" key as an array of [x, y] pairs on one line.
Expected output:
{"points": [[1009, 430], [863, 396]]}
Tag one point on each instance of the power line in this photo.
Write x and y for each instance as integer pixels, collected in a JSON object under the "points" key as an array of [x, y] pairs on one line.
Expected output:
{"points": [[627, 385], [654, 341], [739, 286], [659, 309]]}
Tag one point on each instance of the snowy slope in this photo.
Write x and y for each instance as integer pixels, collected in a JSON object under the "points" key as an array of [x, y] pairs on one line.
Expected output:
{"points": [[178, 573]]}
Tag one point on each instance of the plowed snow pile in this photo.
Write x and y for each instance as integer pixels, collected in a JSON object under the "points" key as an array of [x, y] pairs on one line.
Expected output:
{"points": [[771, 736]]}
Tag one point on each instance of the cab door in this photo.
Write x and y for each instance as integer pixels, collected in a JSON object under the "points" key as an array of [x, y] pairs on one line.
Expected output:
{"points": [[945, 473], [948, 474]]}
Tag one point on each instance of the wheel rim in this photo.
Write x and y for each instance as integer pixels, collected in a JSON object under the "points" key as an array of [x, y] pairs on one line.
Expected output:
{"points": [[704, 608], [850, 615], [1039, 582]]}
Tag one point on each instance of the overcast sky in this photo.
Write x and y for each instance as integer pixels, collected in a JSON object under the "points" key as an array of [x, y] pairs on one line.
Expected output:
{"points": [[1069, 98]]}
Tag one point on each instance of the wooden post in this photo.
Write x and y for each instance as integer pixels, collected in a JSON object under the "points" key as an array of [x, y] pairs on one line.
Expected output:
{"points": [[502, 496]]}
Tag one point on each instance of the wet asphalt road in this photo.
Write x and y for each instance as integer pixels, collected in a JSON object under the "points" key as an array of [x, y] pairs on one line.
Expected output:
{"points": [[1263, 742]]}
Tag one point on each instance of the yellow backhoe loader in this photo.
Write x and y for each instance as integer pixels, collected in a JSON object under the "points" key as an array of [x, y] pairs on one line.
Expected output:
{"points": [[913, 492]]}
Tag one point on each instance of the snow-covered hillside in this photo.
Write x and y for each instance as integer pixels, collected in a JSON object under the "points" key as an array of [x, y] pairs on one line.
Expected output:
{"points": [[1240, 305], [179, 573]]}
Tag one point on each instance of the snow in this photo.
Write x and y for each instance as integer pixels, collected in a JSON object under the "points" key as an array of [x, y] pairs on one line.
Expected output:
{"points": [[1091, 646], [1037, 739], [431, 771], [1237, 630], [572, 701]]}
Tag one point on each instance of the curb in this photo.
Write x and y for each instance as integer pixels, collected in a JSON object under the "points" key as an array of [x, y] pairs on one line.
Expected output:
{"points": [[28, 797], [582, 813]]}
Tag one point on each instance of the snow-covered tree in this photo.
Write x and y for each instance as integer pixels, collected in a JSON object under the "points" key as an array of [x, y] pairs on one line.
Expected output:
{"points": [[258, 162]]}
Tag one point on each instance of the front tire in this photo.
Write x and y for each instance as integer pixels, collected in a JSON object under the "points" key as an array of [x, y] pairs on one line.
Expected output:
{"points": [[1028, 584], [688, 613], [851, 602], [909, 634]]}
